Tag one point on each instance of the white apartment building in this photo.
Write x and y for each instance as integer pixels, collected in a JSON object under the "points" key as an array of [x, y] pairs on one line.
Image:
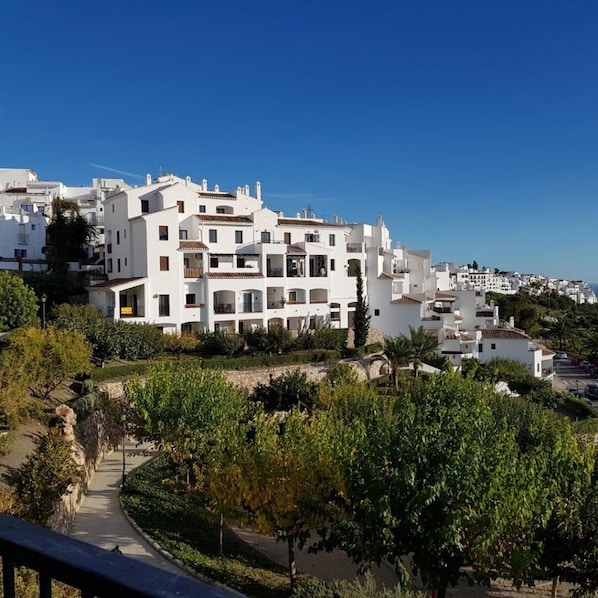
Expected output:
{"points": [[183, 257], [22, 240], [186, 258]]}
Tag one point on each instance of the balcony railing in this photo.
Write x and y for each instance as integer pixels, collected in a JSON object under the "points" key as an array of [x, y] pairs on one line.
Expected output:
{"points": [[441, 310], [224, 308], [244, 308], [354, 248], [295, 273], [275, 304], [296, 301], [131, 312], [92, 570], [275, 272], [318, 301], [193, 272]]}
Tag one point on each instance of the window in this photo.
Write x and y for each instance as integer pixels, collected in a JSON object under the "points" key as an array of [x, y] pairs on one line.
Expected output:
{"points": [[238, 236], [190, 299], [164, 305], [20, 253], [287, 238], [493, 346], [202, 209], [376, 312], [27, 207], [220, 211], [118, 237], [164, 263], [240, 262], [33, 227], [331, 240], [213, 235], [109, 265], [266, 236], [312, 238], [480, 348], [163, 233], [182, 234], [213, 262], [181, 206], [332, 264], [112, 207], [118, 265], [125, 262]]}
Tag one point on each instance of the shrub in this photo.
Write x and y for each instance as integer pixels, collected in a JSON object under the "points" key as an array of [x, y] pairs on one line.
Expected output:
{"points": [[220, 342], [286, 391], [274, 340]]}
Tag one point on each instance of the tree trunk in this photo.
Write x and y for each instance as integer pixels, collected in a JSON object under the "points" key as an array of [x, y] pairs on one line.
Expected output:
{"points": [[292, 564], [553, 592], [221, 547]]}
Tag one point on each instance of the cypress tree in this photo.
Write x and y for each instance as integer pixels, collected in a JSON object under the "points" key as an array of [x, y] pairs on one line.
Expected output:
{"points": [[361, 318]]}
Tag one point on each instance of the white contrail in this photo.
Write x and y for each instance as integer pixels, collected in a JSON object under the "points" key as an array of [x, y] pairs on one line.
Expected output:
{"points": [[116, 170]]}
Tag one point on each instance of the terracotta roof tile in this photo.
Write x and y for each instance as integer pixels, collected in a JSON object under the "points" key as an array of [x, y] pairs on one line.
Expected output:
{"points": [[295, 249], [224, 218], [306, 222], [114, 282], [405, 299], [234, 275], [504, 333], [192, 245], [445, 297]]}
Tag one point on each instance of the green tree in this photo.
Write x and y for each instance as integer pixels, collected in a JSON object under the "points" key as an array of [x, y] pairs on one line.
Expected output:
{"points": [[180, 343], [397, 352], [45, 477], [68, 234], [590, 345], [423, 346], [50, 356], [361, 317], [18, 303], [282, 393]]}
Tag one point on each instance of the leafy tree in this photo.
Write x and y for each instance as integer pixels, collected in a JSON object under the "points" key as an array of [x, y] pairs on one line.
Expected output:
{"points": [[397, 352], [291, 389], [50, 356], [68, 233], [180, 343], [423, 346], [474, 266], [221, 342], [590, 345], [361, 317], [275, 339], [18, 303], [14, 382], [45, 477], [188, 411], [283, 477]]}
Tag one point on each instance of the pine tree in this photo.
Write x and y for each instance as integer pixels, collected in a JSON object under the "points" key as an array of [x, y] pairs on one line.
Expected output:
{"points": [[361, 317]]}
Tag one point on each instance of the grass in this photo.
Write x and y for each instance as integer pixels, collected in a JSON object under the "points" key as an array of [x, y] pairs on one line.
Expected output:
{"points": [[189, 534]]}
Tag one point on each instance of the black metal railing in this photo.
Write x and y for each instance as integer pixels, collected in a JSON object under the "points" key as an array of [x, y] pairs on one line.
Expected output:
{"points": [[94, 571], [224, 308]]}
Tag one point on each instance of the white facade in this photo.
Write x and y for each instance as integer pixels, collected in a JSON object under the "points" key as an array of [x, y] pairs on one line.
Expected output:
{"points": [[22, 240]]}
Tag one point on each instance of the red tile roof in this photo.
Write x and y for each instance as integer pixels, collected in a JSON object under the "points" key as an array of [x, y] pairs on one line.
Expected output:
{"points": [[192, 245], [504, 333], [224, 218], [295, 249], [306, 222], [234, 275], [405, 299], [114, 283], [445, 297]]}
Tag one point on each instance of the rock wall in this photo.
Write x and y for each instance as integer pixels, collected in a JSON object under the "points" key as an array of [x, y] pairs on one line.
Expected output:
{"points": [[90, 443]]}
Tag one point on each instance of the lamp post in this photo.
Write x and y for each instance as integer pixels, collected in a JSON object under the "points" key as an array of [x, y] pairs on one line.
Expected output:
{"points": [[123, 419], [44, 298]]}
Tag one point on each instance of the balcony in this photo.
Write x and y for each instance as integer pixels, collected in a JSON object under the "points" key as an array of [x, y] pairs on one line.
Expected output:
{"points": [[275, 272], [193, 272], [354, 248], [131, 312], [441, 310], [224, 308], [246, 308], [92, 570]]}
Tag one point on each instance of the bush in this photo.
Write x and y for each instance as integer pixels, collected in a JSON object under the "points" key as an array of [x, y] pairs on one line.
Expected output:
{"points": [[118, 371], [220, 342], [274, 340], [366, 588], [284, 392]]}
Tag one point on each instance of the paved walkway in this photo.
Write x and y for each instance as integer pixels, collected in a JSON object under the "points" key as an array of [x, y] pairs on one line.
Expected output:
{"points": [[100, 520]]}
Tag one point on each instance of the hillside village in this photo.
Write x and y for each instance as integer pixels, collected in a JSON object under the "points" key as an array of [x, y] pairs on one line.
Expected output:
{"points": [[188, 258]]}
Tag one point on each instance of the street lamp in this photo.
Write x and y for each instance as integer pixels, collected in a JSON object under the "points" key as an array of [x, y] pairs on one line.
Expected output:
{"points": [[44, 298], [123, 419]]}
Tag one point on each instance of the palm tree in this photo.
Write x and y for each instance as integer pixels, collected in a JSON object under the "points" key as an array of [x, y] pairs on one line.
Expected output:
{"points": [[590, 345], [423, 345], [397, 353]]}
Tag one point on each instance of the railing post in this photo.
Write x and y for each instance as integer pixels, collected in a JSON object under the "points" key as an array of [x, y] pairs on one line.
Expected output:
{"points": [[8, 577], [45, 586]]}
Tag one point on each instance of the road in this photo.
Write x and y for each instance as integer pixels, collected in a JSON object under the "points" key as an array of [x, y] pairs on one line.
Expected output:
{"points": [[570, 376]]}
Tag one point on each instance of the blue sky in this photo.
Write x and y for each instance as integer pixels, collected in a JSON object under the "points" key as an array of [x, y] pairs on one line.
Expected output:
{"points": [[471, 127]]}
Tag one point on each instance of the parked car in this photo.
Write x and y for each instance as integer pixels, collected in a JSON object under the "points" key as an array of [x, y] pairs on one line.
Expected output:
{"points": [[592, 391], [584, 363], [560, 355], [578, 392]]}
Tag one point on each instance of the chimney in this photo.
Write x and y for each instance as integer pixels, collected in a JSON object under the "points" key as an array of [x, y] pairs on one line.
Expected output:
{"points": [[187, 181], [148, 179], [246, 189], [204, 184], [217, 188], [258, 190]]}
